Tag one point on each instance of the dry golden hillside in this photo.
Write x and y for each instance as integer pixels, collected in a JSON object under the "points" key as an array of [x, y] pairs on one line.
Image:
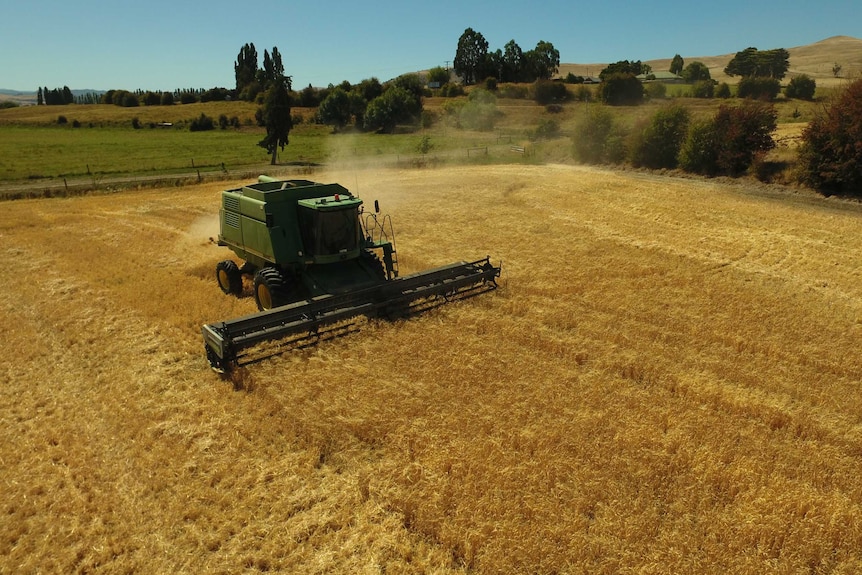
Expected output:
{"points": [[667, 381], [816, 60]]}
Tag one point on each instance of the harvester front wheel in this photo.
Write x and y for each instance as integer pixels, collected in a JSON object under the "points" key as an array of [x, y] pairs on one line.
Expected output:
{"points": [[229, 277], [374, 264], [270, 288]]}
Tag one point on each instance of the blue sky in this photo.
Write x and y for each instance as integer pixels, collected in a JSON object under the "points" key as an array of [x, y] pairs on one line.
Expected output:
{"points": [[161, 45]]}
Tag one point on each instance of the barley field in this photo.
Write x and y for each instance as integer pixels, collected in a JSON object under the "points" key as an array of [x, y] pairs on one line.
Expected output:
{"points": [[667, 381]]}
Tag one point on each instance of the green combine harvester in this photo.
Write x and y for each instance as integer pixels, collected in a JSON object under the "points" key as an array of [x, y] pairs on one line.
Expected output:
{"points": [[318, 259]]}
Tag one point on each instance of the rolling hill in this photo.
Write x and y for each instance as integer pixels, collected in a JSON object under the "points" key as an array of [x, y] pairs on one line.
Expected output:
{"points": [[815, 60]]}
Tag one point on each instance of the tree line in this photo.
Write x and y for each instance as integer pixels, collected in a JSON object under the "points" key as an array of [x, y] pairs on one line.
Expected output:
{"points": [[474, 63]]}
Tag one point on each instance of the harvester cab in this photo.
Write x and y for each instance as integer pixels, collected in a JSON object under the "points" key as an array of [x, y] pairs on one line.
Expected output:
{"points": [[298, 239], [316, 257]]}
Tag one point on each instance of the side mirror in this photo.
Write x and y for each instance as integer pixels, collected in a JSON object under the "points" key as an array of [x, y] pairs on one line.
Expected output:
{"points": [[376, 207]]}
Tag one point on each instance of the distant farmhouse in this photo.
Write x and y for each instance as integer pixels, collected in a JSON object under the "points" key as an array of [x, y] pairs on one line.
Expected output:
{"points": [[663, 77]]}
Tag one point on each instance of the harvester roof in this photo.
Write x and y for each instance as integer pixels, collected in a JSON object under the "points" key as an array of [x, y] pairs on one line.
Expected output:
{"points": [[334, 202]]}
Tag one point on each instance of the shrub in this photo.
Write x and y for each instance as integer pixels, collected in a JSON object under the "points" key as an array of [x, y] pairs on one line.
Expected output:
{"points": [[215, 95], [202, 123], [730, 141], [513, 91], [657, 145], [596, 139], [151, 99], [831, 152], [451, 111], [62, 120], [167, 99], [480, 112], [125, 99], [723, 91], [584, 93], [758, 88], [547, 129], [546, 92], [698, 151], [480, 96], [425, 145], [801, 87], [428, 118], [621, 90], [451, 90], [136, 124], [703, 89], [655, 90]]}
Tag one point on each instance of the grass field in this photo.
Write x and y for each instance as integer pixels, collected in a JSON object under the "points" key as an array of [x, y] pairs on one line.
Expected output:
{"points": [[667, 381], [103, 145], [104, 150]]}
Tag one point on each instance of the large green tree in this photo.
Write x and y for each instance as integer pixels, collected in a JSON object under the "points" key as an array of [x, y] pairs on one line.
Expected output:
{"points": [[696, 72], [274, 115], [755, 63], [512, 62], [625, 67], [334, 110], [273, 68], [545, 60], [245, 67], [677, 65], [471, 56], [396, 106], [341, 106]]}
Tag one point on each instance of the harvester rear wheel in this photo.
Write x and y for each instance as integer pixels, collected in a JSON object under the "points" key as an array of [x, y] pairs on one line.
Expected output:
{"points": [[270, 288], [229, 278]]}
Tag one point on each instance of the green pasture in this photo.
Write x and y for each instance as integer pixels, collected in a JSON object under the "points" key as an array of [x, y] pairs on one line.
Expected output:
{"points": [[99, 142], [41, 152], [44, 152]]}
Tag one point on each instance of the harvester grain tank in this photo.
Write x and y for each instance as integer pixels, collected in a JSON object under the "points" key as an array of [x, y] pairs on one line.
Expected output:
{"points": [[316, 257]]}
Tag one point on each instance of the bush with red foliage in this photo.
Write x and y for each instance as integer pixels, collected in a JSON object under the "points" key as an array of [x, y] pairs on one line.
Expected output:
{"points": [[831, 153]]}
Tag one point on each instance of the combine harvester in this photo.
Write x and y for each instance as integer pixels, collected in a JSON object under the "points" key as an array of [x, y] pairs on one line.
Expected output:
{"points": [[318, 259]]}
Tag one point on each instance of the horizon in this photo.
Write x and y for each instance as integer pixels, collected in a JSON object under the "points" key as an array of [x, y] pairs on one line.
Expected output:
{"points": [[87, 44]]}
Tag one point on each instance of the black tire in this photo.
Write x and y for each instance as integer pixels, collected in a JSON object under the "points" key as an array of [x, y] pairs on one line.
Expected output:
{"points": [[374, 264], [271, 288], [229, 277]]}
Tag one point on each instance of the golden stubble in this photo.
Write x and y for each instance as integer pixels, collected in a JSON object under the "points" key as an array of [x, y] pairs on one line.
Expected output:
{"points": [[666, 381]]}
